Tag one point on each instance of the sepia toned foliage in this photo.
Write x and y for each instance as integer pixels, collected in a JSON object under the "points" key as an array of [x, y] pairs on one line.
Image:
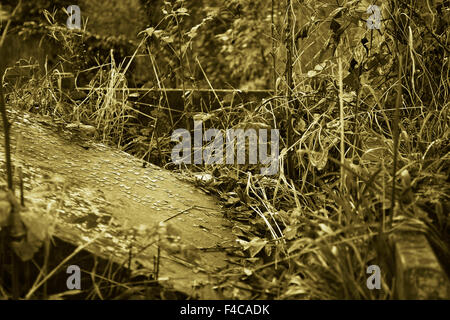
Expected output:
{"points": [[362, 112]]}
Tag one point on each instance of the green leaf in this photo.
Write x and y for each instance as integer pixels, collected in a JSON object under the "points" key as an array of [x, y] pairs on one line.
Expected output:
{"points": [[256, 245], [4, 15], [182, 11], [37, 231]]}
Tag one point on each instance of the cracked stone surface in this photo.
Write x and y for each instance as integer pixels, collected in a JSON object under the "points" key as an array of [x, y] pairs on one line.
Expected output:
{"points": [[105, 194]]}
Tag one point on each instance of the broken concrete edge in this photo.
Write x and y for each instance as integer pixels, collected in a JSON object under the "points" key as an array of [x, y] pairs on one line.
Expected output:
{"points": [[419, 275], [97, 266], [90, 254], [142, 265]]}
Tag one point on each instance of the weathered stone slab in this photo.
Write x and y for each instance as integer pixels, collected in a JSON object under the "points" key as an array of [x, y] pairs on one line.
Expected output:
{"points": [[419, 273], [104, 194]]}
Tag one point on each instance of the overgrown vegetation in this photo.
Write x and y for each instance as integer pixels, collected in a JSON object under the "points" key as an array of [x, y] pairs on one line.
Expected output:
{"points": [[363, 115]]}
